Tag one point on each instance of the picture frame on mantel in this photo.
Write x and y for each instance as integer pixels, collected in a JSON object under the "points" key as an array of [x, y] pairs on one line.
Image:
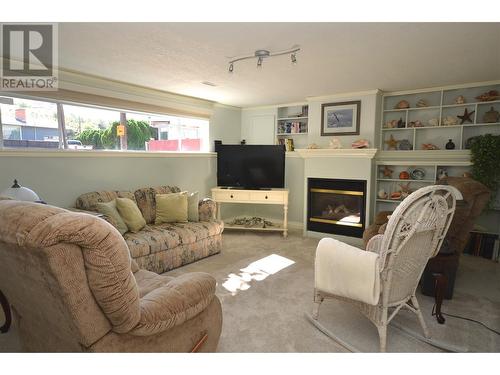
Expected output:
{"points": [[340, 118]]}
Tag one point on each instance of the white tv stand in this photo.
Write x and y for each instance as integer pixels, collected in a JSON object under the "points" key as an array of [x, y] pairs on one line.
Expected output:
{"points": [[272, 196]]}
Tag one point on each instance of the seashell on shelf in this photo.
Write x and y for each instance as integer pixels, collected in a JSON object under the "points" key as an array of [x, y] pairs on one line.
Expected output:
{"points": [[335, 143], [391, 124], [415, 124], [361, 143], [382, 194], [313, 146], [433, 122], [396, 195], [459, 99], [402, 104], [429, 146], [449, 120], [488, 96], [422, 103]]}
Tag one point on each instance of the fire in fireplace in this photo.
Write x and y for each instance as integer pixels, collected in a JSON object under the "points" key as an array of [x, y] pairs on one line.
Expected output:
{"points": [[336, 206]]}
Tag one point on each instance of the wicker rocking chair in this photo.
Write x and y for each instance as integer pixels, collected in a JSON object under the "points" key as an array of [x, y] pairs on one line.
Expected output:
{"points": [[383, 279]]}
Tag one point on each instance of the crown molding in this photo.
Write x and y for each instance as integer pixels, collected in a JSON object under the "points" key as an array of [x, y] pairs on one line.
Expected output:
{"points": [[343, 95], [439, 88], [87, 83]]}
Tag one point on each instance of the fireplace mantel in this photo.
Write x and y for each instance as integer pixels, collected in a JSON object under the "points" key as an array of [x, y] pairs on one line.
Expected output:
{"points": [[305, 153]]}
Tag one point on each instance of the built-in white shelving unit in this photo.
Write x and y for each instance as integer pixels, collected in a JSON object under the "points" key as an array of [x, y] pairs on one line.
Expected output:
{"points": [[436, 120], [292, 120], [430, 172]]}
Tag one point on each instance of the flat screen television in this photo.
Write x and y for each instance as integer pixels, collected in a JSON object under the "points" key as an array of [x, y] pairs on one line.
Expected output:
{"points": [[251, 166]]}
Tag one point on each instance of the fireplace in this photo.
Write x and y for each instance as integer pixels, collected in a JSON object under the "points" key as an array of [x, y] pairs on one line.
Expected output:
{"points": [[336, 206]]}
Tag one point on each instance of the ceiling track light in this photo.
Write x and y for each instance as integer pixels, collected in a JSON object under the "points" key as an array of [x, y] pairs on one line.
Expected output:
{"points": [[262, 54], [259, 62]]}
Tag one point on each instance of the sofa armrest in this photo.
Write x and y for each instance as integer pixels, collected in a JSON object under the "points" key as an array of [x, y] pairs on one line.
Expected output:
{"points": [[207, 209], [174, 303]]}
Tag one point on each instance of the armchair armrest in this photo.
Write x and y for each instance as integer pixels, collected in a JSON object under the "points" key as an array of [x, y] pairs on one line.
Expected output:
{"points": [[174, 303], [207, 209]]}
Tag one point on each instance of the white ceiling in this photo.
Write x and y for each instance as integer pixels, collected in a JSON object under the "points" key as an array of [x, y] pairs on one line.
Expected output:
{"points": [[334, 57]]}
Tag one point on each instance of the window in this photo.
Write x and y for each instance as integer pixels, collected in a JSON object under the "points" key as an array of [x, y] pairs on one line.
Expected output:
{"points": [[173, 133], [36, 123], [90, 128], [29, 123]]}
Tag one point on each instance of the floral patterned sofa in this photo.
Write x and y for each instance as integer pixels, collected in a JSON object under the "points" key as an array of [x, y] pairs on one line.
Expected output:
{"points": [[166, 246]]}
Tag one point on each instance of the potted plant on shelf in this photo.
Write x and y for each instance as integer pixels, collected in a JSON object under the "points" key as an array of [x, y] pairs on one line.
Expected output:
{"points": [[485, 153]]}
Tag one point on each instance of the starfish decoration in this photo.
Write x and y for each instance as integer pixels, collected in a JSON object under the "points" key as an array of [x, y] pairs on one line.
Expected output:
{"points": [[392, 144], [387, 172], [466, 116]]}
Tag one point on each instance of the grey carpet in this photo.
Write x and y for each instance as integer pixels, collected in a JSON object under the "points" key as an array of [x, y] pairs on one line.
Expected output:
{"points": [[266, 313], [269, 316]]}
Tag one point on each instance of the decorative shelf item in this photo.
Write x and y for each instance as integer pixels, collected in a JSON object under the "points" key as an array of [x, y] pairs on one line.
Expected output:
{"points": [[417, 174]]}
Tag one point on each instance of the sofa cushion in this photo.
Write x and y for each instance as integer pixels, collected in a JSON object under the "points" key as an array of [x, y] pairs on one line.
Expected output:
{"points": [[130, 214], [88, 201], [146, 201], [171, 208], [151, 239], [194, 232], [156, 238], [109, 209], [193, 213]]}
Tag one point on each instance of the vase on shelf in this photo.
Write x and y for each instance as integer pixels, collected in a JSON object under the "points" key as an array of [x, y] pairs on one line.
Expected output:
{"points": [[450, 145]]}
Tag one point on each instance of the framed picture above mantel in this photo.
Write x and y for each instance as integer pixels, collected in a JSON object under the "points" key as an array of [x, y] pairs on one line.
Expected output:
{"points": [[340, 118]]}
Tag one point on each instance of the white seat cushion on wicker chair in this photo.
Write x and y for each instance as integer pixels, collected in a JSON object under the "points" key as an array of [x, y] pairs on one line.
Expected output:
{"points": [[346, 271]]}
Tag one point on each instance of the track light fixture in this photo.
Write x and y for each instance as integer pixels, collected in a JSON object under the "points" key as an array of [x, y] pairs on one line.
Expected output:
{"points": [[262, 54]]}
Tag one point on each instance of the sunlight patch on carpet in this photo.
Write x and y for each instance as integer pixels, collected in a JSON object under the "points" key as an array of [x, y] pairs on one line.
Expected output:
{"points": [[258, 271]]}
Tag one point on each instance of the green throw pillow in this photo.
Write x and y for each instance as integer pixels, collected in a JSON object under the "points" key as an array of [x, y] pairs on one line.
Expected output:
{"points": [[109, 209], [130, 214], [193, 214], [171, 208]]}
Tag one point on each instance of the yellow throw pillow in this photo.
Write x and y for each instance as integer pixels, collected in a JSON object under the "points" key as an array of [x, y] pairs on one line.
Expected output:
{"points": [[171, 208], [130, 214], [109, 209]]}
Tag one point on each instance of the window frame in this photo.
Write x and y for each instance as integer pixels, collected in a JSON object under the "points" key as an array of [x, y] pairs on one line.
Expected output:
{"points": [[61, 124]]}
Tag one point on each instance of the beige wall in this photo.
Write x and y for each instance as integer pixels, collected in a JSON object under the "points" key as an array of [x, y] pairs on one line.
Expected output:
{"points": [[59, 180]]}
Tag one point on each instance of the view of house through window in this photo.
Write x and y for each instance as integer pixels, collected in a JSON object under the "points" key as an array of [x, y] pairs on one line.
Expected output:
{"points": [[33, 123], [29, 123]]}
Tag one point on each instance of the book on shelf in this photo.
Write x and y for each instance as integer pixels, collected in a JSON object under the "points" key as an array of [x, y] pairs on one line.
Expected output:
{"points": [[287, 142], [292, 127], [483, 244]]}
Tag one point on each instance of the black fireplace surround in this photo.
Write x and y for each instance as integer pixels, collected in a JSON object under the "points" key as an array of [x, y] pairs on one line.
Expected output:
{"points": [[336, 206]]}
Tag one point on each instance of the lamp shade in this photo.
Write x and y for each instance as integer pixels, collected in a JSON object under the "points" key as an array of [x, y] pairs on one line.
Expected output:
{"points": [[20, 193]]}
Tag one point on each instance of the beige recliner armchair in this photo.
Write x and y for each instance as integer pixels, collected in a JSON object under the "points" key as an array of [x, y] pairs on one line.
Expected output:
{"points": [[73, 287]]}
